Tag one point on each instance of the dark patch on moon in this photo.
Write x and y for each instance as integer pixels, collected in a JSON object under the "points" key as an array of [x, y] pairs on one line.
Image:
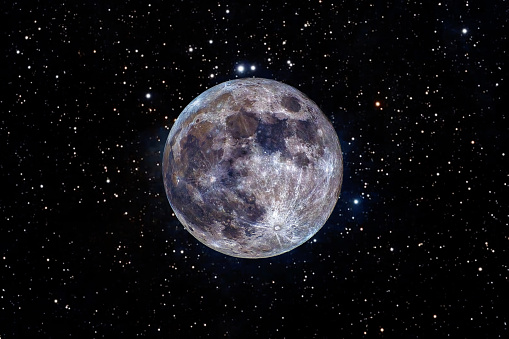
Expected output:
{"points": [[181, 195], [230, 178], [227, 174], [231, 232], [251, 211], [196, 148], [241, 151], [241, 125], [301, 159], [191, 153], [269, 136], [291, 103], [305, 131], [249, 231]]}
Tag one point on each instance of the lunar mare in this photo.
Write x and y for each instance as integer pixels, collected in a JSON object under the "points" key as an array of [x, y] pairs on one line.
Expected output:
{"points": [[252, 168]]}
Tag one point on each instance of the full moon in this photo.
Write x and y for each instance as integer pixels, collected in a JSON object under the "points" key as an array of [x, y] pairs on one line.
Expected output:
{"points": [[252, 168]]}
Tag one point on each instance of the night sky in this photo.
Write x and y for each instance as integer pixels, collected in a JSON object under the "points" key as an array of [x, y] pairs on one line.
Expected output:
{"points": [[417, 246]]}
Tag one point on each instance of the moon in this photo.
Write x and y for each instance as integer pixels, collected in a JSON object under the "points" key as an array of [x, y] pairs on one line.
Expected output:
{"points": [[252, 168]]}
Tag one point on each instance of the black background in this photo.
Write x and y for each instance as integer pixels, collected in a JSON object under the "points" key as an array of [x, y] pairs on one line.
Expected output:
{"points": [[89, 246]]}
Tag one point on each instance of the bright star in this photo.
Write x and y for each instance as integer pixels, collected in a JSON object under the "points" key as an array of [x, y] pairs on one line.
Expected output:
{"points": [[240, 68], [148, 95], [356, 201]]}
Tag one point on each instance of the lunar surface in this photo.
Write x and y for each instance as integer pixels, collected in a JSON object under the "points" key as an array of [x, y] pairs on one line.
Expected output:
{"points": [[252, 168]]}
